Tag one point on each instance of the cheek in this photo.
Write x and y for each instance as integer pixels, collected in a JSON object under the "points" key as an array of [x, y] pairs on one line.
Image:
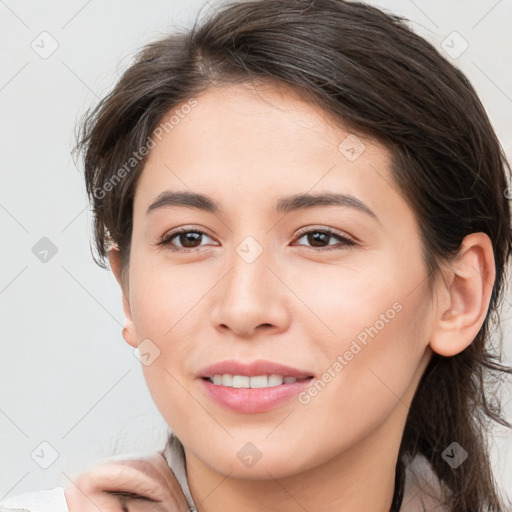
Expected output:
{"points": [[370, 371], [377, 338], [162, 306], [162, 297]]}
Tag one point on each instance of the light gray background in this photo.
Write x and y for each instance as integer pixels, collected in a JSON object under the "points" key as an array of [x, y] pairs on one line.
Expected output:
{"points": [[67, 376]]}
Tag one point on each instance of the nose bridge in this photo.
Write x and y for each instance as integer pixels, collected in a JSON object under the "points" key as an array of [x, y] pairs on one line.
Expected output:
{"points": [[248, 280], [250, 294]]}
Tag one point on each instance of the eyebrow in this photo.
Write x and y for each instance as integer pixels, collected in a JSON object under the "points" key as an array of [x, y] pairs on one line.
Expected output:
{"points": [[284, 205]]}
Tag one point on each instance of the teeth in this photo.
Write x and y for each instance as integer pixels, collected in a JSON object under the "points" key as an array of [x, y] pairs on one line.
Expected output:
{"points": [[261, 381], [227, 380], [240, 381], [246, 382], [275, 380]]}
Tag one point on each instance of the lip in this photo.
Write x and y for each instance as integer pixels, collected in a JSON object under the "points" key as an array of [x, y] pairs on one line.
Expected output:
{"points": [[252, 369], [253, 400]]}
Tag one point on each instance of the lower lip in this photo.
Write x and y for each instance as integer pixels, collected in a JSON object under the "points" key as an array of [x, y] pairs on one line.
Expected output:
{"points": [[253, 400]]}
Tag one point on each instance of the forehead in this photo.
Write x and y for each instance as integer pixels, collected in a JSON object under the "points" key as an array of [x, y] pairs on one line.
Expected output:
{"points": [[257, 144]]}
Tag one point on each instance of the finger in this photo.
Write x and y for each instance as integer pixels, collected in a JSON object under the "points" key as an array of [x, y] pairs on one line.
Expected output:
{"points": [[110, 487]]}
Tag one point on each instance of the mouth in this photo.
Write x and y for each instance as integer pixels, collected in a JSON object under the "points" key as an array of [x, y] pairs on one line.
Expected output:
{"points": [[254, 387], [265, 373], [253, 382]]}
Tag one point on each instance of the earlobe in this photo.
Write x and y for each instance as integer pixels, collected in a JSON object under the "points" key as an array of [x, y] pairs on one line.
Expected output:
{"points": [[129, 331], [130, 335], [466, 297]]}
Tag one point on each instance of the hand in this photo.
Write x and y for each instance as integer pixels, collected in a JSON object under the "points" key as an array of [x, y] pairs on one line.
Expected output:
{"points": [[114, 487]]}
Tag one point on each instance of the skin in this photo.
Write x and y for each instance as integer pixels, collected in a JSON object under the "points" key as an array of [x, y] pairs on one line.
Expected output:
{"points": [[296, 304], [149, 477]]}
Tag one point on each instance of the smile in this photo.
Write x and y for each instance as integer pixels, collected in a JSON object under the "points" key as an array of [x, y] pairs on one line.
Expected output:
{"points": [[258, 381]]}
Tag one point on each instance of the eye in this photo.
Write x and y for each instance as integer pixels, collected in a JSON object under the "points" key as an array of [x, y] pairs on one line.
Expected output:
{"points": [[136, 501], [188, 239], [318, 237]]}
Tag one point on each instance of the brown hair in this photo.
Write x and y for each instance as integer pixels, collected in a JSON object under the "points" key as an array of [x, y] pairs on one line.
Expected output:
{"points": [[373, 74]]}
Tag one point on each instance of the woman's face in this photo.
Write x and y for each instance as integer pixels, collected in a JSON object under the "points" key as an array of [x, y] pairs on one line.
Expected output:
{"points": [[263, 282]]}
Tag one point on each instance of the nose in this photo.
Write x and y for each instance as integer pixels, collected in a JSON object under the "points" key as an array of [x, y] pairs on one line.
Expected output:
{"points": [[251, 298]]}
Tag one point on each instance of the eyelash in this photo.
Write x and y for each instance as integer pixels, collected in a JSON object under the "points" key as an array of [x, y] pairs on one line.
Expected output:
{"points": [[166, 239], [129, 496]]}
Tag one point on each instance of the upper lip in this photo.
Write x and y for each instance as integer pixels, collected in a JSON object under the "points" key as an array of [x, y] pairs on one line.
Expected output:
{"points": [[253, 369]]}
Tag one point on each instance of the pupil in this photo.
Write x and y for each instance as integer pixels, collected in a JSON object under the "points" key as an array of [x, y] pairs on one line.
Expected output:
{"points": [[317, 237], [189, 237]]}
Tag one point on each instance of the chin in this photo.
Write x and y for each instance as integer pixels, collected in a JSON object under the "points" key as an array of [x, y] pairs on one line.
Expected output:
{"points": [[249, 464]]}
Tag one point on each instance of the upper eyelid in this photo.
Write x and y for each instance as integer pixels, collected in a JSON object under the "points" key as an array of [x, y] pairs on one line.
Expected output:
{"points": [[172, 233], [132, 495], [308, 229], [204, 231]]}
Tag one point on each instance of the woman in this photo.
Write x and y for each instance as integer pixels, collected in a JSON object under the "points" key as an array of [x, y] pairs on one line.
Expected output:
{"points": [[326, 347]]}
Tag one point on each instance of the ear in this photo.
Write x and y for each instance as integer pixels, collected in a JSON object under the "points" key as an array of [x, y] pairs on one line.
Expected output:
{"points": [[465, 300], [129, 332]]}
